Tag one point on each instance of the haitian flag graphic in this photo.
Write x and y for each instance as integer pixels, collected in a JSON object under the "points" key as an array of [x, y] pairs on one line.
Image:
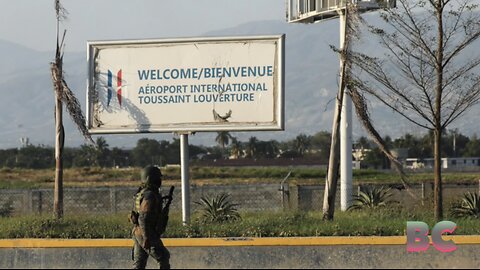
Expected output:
{"points": [[110, 87]]}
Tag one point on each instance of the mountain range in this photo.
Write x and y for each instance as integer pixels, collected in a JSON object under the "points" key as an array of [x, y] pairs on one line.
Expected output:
{"points": [[311, 83]]}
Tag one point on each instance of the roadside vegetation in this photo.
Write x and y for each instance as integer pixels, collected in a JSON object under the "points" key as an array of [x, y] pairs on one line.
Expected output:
{"points": [[379, 222]]}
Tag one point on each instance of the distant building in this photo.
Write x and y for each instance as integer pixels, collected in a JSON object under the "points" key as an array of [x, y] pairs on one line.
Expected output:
{"points": [[414, 163], [360, 153], [447, 163]]}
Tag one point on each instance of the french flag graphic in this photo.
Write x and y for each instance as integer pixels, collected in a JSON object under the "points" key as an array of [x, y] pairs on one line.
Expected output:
{"points": [[110, 87]]}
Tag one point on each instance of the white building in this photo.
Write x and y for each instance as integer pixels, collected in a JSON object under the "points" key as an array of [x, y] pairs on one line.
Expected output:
{"points": [[447, 163]]}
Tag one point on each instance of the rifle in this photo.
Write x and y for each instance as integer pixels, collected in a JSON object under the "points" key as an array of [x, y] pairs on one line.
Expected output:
{"points": [[162, 223], [169, 199]]}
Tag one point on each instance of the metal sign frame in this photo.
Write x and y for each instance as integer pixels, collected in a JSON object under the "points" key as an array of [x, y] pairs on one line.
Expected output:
{"points": [[220, 122]]}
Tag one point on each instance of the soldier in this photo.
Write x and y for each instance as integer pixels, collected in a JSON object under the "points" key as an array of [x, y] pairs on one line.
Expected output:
{"points": [[150, 220]]}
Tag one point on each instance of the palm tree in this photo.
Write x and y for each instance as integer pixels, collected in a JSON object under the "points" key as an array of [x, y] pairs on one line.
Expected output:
{"points": [[223, 138], [63, 94]]}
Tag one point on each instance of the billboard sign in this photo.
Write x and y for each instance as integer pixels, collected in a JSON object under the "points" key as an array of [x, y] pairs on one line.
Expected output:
{"points": [[186, 85]]}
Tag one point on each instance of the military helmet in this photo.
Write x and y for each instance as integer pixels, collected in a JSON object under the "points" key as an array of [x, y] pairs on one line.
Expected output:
{"points": [[152, 176]]}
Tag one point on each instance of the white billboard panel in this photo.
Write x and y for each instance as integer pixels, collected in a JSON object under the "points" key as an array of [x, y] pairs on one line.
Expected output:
{"points": [[208, 84]]}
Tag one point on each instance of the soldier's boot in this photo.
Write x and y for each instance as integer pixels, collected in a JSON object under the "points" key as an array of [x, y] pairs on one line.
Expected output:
{"points": [[161, 254], [140, 256]]}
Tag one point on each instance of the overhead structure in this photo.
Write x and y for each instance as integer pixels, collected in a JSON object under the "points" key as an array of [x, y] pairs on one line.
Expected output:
{"points": [[311, 11]]}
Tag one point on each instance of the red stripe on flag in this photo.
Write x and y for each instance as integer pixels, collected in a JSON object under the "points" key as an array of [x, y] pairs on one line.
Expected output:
{"points": [[119, 87]]}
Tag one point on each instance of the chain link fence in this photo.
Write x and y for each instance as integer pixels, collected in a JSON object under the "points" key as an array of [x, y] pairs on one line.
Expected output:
{"points": [[259, 197], [248, 197]]}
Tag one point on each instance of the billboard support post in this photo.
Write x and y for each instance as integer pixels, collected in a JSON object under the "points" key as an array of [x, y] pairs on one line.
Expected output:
{"points": [[185, 159], [346, 175], [310, 11]]}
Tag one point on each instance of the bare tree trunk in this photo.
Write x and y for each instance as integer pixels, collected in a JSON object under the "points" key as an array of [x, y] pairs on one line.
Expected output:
{"points": [[57, 71], [437, 194], [58, 196], [59, 143], [334, 159], [333, 162]]}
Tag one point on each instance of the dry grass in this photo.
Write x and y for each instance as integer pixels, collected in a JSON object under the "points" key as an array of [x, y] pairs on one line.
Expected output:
{"points": [[109, 177]]}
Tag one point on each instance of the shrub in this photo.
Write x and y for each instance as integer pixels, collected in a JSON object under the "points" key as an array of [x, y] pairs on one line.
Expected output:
{"points": [[371, 197], [468, 206], [218, 209], [6, 209]]}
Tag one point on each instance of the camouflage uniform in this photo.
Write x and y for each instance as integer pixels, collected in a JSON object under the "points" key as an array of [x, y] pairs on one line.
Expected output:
{"points": [[151, 223]]}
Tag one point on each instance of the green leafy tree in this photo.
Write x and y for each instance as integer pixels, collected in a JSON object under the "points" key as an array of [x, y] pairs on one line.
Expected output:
{"points": [[195, 150], [272, 149], [173, 152], [376, 159], [35, 157], [472, 148], [266, 149], [454, 144], [252, 146], [86, 156], [303, 143], [7, 157], [363, 142], [321, 141], [236, 148], [146, 152], [102, 153], [120, 157]]}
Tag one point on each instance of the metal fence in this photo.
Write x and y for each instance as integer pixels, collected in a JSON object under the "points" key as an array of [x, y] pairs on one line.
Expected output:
{"points": [[249, 197], [264, 197]]}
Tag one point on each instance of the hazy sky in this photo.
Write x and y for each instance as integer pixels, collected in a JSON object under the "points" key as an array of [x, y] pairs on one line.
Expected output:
{"points": [[32, 22]]}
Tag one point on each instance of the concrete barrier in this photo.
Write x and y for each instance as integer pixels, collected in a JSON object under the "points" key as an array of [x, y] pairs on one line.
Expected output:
{"points": [[303, 252]]}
